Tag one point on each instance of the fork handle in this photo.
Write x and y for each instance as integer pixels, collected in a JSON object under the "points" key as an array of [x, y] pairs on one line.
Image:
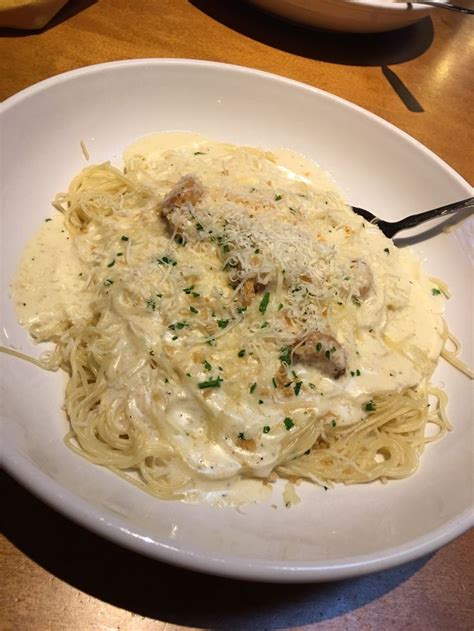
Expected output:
{"points": [[391, 228], [444, 5]]}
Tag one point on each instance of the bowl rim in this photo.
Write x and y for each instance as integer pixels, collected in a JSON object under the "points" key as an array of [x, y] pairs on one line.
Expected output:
{"points": [[109, 526]]}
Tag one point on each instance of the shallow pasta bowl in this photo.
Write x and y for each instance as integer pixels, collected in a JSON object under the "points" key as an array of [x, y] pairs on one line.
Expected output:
{"points": [[330, 535], [354, 16]]}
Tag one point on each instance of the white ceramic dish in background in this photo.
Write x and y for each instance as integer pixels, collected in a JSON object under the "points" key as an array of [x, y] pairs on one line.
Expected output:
{"points": [[353, 16], [341, 533]]}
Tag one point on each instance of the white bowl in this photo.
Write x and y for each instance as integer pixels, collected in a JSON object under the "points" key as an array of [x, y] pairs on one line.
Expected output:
{"points": [[354, 16], [344, 532]]}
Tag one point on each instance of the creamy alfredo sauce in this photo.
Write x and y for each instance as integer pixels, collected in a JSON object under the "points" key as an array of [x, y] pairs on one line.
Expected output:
{"points": [[392, 340]]}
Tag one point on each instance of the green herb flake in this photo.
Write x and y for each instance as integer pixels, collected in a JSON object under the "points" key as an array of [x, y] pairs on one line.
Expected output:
{"points": [[108, 282], [297, 387], [435, 292], [199, 153], [199, 227], [266, 429], [252, 388], [152, 352], [274, 382], [312, 386], [241, 353], [111, 264], [288, 422], [260, 401], [264, 302], [222, 323], [285, 355], [277, 197], [48, 219], [280, 306], [319, 346], [241, 309], [178, 325], [210, 383], [151, 304], [333, 423], [167, 260], [264, 325], [370, 406], [241, 436], [193, 310], [207, 365], [124, 238], [386, 250]]}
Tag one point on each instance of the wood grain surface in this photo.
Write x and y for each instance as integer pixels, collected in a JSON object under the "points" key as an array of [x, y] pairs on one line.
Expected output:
{"points": [[55, 575]]}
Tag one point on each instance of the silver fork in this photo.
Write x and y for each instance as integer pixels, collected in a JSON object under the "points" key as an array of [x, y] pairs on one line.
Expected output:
{"points": [[390, 228]]}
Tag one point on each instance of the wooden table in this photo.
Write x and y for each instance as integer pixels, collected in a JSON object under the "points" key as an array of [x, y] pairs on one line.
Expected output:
{"points": [[55, 575]]}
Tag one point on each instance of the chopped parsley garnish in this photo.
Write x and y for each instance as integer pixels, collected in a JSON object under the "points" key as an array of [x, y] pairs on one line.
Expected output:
{"points": [[277, 197], [280, 306], [207, 365], [241, 353], [252, 388], [318, 347], [177, 325], [264, 325], [264, 302], [312, 386], [226, 247], [151, 304], [166, 260], [288, 423], [333, 423], [386, 250], [188, 290], [180, 240], [124, 238], [266, 429], [210, 383], [152, 352], [199, 227], [199, 153], [274, 382], [435, 292], [297, 387], [260, 401], [328, 354], [111, 264], [356, 301], [49, 219], [108, 282], [222, 323], [285, 355], [241, 436], [241, 309], [119, 253], [370, 406], [193, 310]]}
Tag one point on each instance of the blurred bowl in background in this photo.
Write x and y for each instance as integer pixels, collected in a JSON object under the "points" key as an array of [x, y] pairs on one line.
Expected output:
{"points": [[354, 16]]}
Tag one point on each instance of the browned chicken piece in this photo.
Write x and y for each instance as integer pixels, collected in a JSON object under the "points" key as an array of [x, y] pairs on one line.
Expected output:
{"points": [[188, 190], [361, 277], [249, 290], [283, 381], [322, 351]]}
